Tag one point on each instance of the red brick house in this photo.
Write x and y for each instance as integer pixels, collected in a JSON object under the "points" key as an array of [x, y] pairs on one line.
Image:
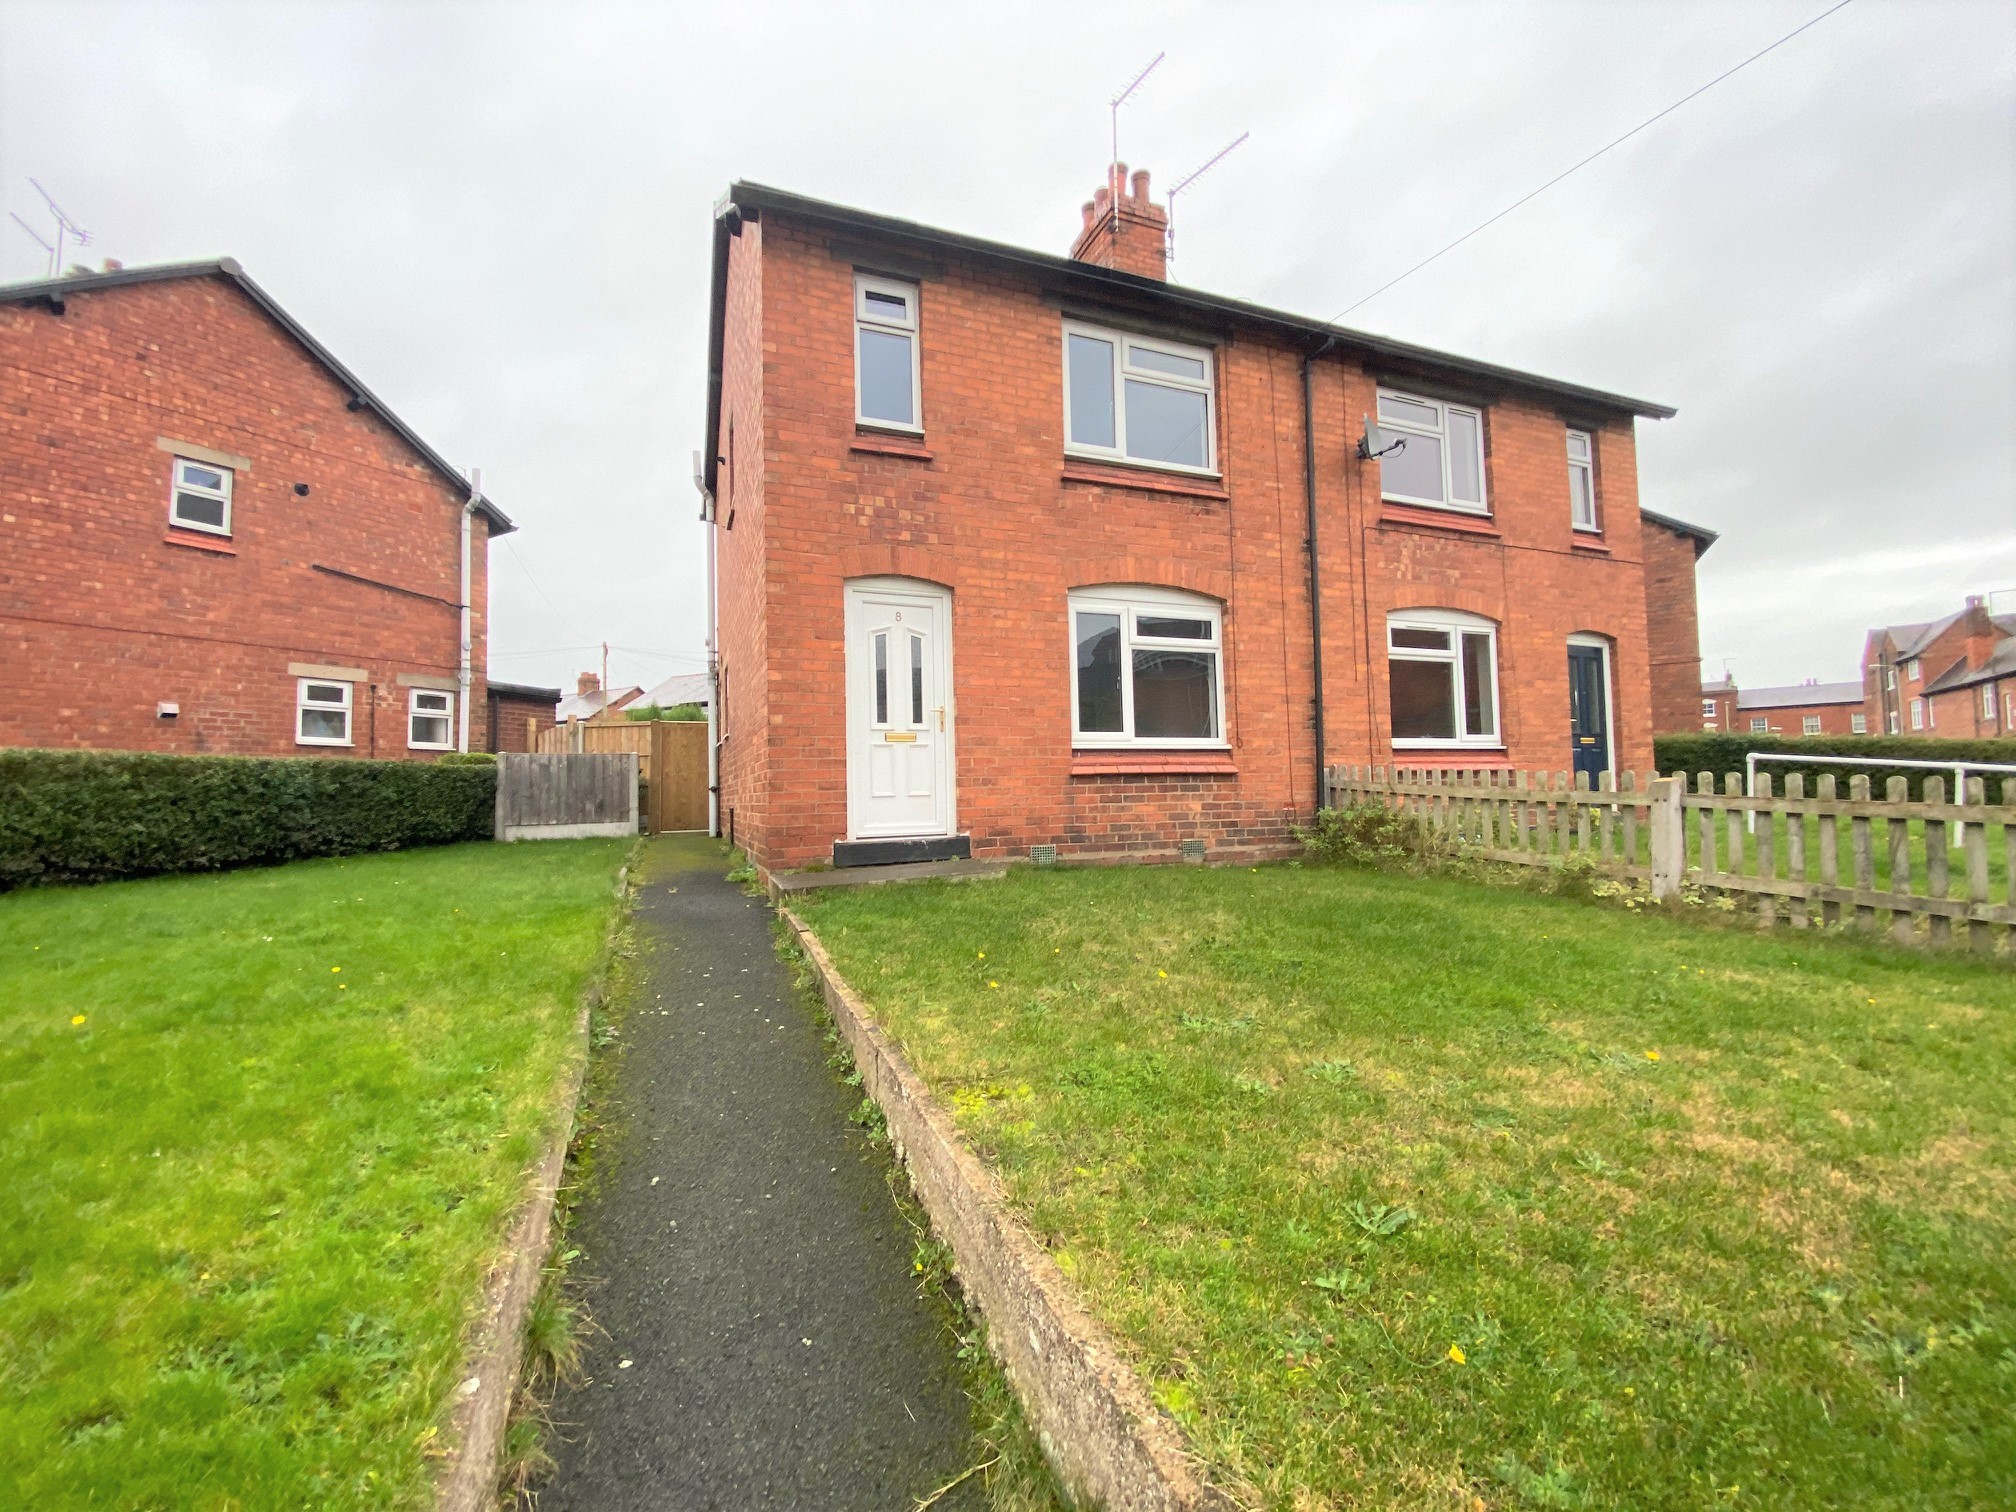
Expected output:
{"points": [[1671, 548], [1808, 708], [517, 714], [1952, 677], [1016, 550], [214, 538]]}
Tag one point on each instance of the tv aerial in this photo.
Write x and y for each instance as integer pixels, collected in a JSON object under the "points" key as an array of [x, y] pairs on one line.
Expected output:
{"points": [[1191, 177]]}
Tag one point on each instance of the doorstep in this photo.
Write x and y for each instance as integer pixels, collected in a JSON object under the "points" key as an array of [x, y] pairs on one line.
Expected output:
{"points": [[785, 884]]}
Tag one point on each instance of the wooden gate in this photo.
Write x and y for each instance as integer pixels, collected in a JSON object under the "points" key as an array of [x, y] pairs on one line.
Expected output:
{"points": [[678, 776], [566, 797]]}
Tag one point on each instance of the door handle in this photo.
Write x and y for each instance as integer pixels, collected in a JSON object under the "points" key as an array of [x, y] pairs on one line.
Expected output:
{"points": [[941, 716]]}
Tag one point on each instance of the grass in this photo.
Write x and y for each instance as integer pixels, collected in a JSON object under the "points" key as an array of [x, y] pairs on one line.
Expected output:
{"points": [[264, 1130], [1417, 1193]]}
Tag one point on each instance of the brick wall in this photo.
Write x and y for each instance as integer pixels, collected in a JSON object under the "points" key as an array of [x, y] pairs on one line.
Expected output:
{"points": [[107, 611], [515, 722], [1835, 719], [988, 506], [1673, 630]]}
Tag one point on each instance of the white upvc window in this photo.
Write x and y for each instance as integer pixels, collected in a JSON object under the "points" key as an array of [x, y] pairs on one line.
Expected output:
{"points": [[1708, 713], [1442, 674], [1858, 724], [1987, 700], [430, 720], [199, 498], [1810, 725], [1146, 668], [887, 364], [1917, 713], [1440, 462], [321, 712], [1893, 721], [1911, 669], [1137, 399], [1760, 724], [1582, 480]]}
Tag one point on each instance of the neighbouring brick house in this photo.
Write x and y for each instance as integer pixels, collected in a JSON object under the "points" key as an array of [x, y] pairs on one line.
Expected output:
{"points": [[518, 713], [1015, 550], [590, 703], [1952, 677], [1808, 708], [1671, 548], [214, 538]]}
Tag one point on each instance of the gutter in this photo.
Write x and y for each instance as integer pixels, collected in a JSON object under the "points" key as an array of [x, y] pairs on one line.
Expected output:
{"points": [[1315, 570]]}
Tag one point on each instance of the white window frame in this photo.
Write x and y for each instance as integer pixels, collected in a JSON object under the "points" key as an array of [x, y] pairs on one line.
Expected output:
{"points": [[1911, 669], [910, 330], [1443, 409], [1586, 466], [1893, 721], [1858, 724], [1987, 700], [1809, 724], [1124, 344], [1458, 624], [1918, 720], [1709, 711], [445, 713], [302, 703], [1760, 724], [177, 486], [1130, 601]]}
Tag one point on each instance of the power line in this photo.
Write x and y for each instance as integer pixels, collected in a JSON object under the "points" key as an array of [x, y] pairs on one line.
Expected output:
{"points": [[1589, 159], [565, 623]]}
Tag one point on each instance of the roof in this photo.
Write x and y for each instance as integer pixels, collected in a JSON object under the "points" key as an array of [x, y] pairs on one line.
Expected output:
{"points": [[588, 705], [1911, 640], [1801, 695], [2001, 662], [1085, 277], [53, 292], [1723, 684], [686, 688], [525, 691], [1703, 537]]}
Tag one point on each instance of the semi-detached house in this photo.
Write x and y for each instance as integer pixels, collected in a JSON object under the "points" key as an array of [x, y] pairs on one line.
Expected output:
{"points": [[1016, 551]]}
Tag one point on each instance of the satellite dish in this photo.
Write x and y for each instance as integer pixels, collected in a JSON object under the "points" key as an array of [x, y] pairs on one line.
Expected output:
{"points": [[1377, 442]]}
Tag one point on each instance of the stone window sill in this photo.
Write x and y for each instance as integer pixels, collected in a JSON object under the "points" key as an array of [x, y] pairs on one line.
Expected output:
{"points": [[1110, 476], [1151, 763], [196, 540]]}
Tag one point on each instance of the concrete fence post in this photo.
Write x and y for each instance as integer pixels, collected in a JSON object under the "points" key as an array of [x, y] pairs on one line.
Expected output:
{"points": [[1669, 838]]}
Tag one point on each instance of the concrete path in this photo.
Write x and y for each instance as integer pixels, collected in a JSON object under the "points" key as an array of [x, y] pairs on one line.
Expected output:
{"points": [[766, 1346]]}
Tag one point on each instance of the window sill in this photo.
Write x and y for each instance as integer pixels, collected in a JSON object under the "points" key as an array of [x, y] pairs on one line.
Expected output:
{"points": [[198, 541], [1446, 757], [1121, 763], [1591, 541], [890, 444], [1150, 480], [1426, 516]]}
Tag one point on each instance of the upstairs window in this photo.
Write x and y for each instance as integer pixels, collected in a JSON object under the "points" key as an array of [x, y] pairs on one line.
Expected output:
{"points": [[1145, 669], [1708, 713], [1917, 713], [1582, 480], [1131, 399], [1858, 724], [201, 497], [430, 720], [1442, 667], [321, 712], [1987, 700], [1911, 669], [1441, 463], [885, 354]]}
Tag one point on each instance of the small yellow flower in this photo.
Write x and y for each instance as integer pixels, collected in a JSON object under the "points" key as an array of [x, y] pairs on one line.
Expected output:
{"points": [[979, 955], [1652, 1055], [76, 1018], [335, 968], [1456, 1353], [1162, 974], [993, 984]]}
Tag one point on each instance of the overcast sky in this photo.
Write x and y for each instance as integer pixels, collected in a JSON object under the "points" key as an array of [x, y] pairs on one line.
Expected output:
{"points": [[498, 216]]}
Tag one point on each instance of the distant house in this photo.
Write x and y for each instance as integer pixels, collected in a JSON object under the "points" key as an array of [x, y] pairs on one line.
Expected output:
{"points": [[590, 704], [1718, 704], [214, 538], [517, 715], [1953, 677], [1808, 708], [678, 692]]}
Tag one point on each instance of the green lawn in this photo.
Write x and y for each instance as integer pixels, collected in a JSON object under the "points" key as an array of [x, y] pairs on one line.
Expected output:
{"points": [[262, 1132], [1427, 1194]]}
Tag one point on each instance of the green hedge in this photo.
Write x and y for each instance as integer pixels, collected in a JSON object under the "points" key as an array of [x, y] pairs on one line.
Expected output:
{"points": [[93, 816], [1723, 754]]}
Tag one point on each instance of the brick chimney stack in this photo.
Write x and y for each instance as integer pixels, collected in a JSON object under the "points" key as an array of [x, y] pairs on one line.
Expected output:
{"points": [[1122, 229], [587, 683]]}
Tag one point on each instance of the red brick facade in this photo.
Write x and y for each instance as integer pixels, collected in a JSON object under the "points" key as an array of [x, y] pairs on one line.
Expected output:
{"points": [[1929, 679], [1673, 627], [987, 504], [343, 552], [517, 715]]}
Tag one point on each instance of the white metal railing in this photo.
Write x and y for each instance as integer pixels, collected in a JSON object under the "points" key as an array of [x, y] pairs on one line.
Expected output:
{"points": [[1959, 769]]}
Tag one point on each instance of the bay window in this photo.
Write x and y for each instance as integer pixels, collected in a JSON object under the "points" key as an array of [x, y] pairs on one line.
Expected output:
{"points": [[1440, 462], [1146, 668], [1131, 399], [1442, 671]]}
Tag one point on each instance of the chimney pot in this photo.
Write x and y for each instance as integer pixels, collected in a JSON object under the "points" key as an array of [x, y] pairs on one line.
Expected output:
{"points": [[113, 265], [1141, 184], [1122, 228]]}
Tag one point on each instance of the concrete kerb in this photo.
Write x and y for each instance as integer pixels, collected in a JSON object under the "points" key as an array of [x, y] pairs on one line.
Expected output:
{"points": [[1098, 1424], [475, 1438]]}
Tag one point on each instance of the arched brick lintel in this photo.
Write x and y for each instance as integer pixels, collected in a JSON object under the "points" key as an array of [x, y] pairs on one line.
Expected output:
{"points": [[1154, 572], [922, 562]]}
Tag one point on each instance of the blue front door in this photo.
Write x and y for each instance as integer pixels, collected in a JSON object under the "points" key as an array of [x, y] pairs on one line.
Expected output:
{"points": [[1589, 710]]}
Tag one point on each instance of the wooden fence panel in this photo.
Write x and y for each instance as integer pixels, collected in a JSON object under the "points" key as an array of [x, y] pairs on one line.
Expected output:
{"points": [[566, 797], [678, 777]]}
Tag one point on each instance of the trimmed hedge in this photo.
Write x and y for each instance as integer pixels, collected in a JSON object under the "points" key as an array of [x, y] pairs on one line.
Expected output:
{"points": [[94, 816], [1723, 754]]}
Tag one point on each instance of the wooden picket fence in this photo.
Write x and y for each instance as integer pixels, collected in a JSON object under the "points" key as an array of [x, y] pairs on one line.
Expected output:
{"points": [[1940, 861]]}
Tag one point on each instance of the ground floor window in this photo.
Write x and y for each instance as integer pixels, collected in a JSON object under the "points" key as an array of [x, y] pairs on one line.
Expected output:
{"points": [[430, 720], [1810, 725], [321, 712], [1759, 724], [1858, 724], [1145, 668], [1917, 713], [1442, 672]]}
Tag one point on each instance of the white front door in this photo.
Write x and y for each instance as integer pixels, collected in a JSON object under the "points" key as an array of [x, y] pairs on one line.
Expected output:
{"points": [[899, 709]]}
